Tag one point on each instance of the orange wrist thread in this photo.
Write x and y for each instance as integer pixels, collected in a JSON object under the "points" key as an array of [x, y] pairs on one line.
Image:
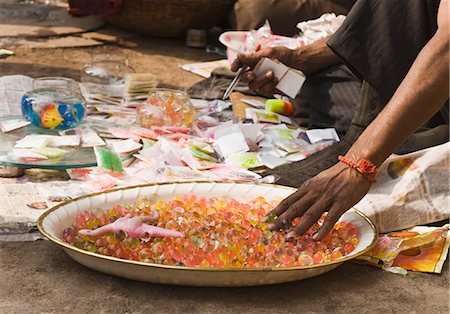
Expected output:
{"points": [[365, 167]]}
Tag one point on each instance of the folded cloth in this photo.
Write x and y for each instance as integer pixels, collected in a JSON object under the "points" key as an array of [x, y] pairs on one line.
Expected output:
{"points": [[79, 8]]}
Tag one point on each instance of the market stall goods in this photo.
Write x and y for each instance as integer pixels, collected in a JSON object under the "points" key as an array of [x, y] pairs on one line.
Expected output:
{"points": [[53, 224], [204, 232], [166, 107]]}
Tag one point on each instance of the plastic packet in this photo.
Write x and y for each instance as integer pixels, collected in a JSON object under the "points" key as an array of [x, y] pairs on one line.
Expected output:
{"points": [[108, 160], [420, 248]]}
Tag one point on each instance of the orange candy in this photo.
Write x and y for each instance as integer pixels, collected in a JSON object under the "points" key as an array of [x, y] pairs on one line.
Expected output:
{"points": [[218, 232]]}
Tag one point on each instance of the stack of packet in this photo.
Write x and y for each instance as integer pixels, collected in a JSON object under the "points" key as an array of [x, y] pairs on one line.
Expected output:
{"points": [[137, 87]]}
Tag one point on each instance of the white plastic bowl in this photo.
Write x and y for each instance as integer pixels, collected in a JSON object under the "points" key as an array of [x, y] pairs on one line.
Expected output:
{"points": [[234, 41]]}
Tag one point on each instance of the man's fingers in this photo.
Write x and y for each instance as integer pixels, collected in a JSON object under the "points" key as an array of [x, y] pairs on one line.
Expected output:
{"points": [[248, 59], [259, 82], [243, 59], [290, 200], [264, 85], [295, 210], [252, 59], [333, 215], [236, 65], [249, 76], [269, 89], [310, 217], [286, 203]]}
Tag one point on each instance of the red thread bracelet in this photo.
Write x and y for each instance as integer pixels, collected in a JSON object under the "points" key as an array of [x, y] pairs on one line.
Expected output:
{"points": [[365, 167]]}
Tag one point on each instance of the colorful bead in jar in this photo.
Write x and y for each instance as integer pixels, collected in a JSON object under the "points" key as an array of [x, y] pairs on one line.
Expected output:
{"points": [[166, 107]]}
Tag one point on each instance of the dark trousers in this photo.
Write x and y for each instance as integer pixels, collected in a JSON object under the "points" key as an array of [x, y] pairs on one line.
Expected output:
{"points": [[328, 99]]}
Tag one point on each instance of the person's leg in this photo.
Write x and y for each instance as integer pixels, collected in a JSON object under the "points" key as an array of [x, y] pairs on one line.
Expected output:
{"points": [[424, 139], [328, 99], [379, 40]]}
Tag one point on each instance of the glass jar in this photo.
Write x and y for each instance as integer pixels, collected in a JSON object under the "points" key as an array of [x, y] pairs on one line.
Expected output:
{"points": [[54, 103], [166, 107], [105, 75]]}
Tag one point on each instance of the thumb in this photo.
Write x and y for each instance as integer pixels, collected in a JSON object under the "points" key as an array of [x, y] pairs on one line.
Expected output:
{"points": [[236, 64]]}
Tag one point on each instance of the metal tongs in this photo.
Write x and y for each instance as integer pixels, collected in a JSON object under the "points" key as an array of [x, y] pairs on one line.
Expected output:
{"points": [[235, 81]]}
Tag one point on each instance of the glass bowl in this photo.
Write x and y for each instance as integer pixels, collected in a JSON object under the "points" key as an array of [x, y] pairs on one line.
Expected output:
{"points": [[105, 77], [54, 103]]}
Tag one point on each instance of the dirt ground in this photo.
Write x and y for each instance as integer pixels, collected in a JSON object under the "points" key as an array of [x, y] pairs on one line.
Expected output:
{"points": [[37, 277], [159, 56]]}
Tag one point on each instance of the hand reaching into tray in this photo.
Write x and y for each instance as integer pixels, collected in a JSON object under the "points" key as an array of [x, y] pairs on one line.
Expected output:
{"points": [[334, 190]]}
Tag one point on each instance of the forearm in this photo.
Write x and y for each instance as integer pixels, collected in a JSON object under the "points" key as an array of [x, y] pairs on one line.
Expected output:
{"points": [[421, 94], [313, 58]]}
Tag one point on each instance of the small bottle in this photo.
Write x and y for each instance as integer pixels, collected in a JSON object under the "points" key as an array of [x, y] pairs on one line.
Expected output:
{"points": [[196, 38], [166, 107], [280, 106]]}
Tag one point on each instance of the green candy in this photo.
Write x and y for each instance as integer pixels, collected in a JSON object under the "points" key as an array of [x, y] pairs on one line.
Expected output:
{"points": [[147, 143], [201, 155], [108, 160], [51, 152]]}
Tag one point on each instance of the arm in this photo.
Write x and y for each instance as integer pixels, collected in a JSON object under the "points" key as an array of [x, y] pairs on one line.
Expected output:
{"points": [[309, 59], [421, 94], [312, 58]]}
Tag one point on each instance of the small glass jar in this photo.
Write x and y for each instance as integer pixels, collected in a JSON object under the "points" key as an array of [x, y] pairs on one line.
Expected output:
{"points": [[54, 103], [166, 107], [105, 75]]}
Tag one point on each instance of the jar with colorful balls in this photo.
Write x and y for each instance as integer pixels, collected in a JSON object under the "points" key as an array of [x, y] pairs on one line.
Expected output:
{"points": [[166, 107]]}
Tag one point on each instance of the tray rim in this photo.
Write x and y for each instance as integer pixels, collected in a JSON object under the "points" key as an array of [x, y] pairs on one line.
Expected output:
{"points": [[67, 246]]}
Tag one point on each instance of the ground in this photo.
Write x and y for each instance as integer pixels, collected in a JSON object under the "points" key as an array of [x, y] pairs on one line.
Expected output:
{"points": [[159, 56], [39, 277]]}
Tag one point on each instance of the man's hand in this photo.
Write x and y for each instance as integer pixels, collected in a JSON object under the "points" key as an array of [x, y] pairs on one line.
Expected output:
{"points": [[265, 84], [334, 190], [309, 59]]}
